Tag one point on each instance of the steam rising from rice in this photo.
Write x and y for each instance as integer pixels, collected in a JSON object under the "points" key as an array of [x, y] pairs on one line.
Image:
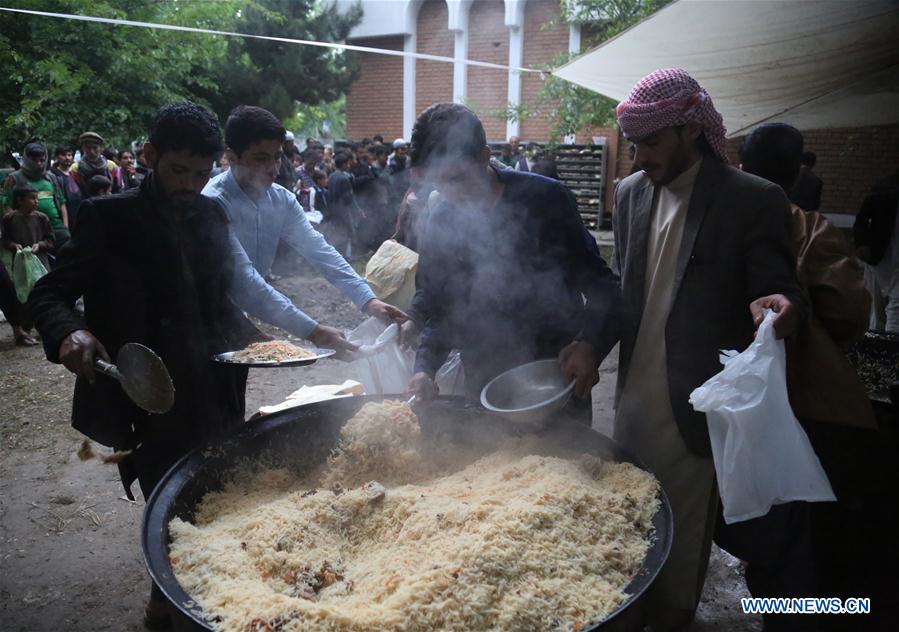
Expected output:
{"points": [[510, 541]]}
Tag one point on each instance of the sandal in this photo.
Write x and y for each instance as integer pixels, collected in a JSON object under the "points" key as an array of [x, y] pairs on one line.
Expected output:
{"points": [[25, 341]]}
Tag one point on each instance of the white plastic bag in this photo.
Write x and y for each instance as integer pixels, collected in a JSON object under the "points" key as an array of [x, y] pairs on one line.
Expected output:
{"points": [[450, 377], [762, 455], [380, 364]]}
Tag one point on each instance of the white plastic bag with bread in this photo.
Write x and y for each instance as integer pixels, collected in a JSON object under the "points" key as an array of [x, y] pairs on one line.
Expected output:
{"points": [[391, 274]]}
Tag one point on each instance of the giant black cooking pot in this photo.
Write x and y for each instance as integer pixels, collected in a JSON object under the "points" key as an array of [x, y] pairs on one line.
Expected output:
{"points": [[300, 438]]}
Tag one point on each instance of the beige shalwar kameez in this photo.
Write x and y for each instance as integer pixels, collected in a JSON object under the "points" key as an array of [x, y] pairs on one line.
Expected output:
{"points": [[645, 424]]}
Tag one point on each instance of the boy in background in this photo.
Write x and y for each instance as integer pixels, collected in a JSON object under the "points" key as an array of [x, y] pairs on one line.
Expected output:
{"points": [[99, 186], [24, 226]]}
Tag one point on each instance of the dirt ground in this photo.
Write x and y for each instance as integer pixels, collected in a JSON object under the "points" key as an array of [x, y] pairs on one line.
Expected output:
{"points": [[69, 539]]}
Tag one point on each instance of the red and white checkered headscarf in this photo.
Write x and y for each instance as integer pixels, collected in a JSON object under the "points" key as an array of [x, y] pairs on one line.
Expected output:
{"points": [[669, 97]]}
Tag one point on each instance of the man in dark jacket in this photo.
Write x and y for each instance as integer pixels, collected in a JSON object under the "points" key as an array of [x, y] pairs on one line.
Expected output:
{"points": [[806, 190], [287, 176], [343, 215], [506, 265], [545, 165], [154, 266], [701, 249]]}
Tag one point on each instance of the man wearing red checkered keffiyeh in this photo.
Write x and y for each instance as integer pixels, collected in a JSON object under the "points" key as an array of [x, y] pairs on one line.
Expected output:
{"points": [[671, 98], [701, 248]]}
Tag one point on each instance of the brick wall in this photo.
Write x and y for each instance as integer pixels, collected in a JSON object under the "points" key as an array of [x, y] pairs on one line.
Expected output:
{"points": [[433, 80], [488, 40], [540, 46], [374, 103], [850, 160]]}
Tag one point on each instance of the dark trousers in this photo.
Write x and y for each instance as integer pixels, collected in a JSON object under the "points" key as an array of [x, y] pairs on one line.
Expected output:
{"points": [[339, 235], [16, 313], [147, 466], [854, 539], [61, 236], [9, 303], [777, 549], [159, 445]]}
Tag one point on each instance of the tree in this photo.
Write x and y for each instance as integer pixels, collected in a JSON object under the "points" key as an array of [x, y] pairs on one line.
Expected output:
{"points": [[568, 107], [277, 75], [325, 121], [63, 77]]}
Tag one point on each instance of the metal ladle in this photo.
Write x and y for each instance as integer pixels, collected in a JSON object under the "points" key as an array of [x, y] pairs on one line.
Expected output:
{"points": [[143, 376]]}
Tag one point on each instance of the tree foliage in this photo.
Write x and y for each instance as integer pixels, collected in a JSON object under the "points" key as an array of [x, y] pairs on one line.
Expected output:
{"points": [[63, 77], [568, 107], [325, 121], [277, 75]]}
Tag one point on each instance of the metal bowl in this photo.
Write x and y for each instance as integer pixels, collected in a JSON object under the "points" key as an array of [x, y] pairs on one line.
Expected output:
{"points": [[528, 394]]}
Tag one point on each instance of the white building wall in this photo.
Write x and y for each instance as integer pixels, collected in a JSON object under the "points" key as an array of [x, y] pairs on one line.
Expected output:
{"points": [[381, 17]]}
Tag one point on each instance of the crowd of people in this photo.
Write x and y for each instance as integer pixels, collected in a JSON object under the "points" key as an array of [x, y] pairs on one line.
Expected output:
{"points": [[356, 193], [507, 274], [359, 187], [41, 200]]}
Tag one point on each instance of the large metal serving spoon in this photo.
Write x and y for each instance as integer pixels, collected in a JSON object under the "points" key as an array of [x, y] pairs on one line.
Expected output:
{"points": [[143, 376]]}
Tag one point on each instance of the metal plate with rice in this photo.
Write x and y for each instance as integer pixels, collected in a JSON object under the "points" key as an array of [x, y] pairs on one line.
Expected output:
{"points": [[319, 354]]}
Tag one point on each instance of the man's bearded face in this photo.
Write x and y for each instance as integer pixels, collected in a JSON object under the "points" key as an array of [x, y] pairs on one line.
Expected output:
{"points": [[64, 160], [91, 150], [665, 154], [182, 175]]}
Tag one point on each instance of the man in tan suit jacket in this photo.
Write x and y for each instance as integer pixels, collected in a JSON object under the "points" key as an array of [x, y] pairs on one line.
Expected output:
{"points": [[832, 403]]}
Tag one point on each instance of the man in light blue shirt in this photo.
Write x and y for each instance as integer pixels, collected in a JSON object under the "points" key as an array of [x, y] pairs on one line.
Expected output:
{"points": [[251, 293], [263, 213]]}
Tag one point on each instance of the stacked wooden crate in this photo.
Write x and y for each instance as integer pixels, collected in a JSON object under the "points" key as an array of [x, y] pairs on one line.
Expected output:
{"points": [[582, 168]]}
